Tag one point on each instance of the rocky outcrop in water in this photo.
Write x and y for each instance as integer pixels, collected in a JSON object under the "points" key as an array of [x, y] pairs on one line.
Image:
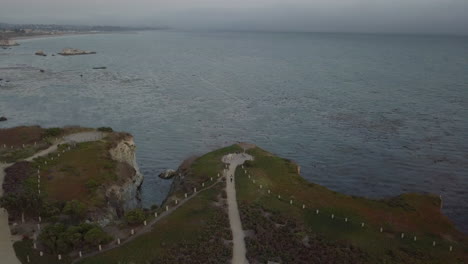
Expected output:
{"points": [[2, 119], [8, 43], [40, 53], [167, 174], [71, 52]]}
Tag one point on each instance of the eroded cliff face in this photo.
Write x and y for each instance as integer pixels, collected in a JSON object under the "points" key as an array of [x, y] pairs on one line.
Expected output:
{"points": [[124, 195]]}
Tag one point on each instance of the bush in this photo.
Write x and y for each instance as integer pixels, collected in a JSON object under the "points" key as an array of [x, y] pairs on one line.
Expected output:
{"points": [[134, 217], [105, 129], [53, 132], [97, 236], [75, 209], [92, 184]]}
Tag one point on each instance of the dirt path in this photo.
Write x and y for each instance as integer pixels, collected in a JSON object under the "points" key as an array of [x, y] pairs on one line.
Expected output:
{"points": [[239, 250], [7, 254]]}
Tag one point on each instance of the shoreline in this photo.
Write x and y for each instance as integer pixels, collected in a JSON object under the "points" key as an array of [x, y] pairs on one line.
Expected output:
{"points": [[44, 36]]}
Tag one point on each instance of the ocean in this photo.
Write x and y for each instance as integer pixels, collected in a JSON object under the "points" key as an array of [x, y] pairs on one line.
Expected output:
{"points": [[363, 114]]}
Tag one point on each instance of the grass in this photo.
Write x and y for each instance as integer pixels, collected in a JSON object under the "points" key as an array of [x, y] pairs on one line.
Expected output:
{"points": [[194, 233], [192, 225], [407, 213], [202, 169], [24, 249], [77, 174]]}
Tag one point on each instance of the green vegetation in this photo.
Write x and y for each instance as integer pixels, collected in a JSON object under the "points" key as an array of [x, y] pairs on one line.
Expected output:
{"points": [[192, 234], [53, 132], [105, 129], [78, 174], [278, 225], [135, 217], [195, 233], [25, 249], [75, 209], [60, 238]]}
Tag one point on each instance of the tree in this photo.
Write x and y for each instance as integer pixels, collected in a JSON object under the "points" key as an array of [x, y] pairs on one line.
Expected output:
{"points": [[54, 238]]}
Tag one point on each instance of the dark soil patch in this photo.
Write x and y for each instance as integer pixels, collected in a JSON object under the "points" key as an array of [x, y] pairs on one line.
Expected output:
{"points": [[18, 136]]}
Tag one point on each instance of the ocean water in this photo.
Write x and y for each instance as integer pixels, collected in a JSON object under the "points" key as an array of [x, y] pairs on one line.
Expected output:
{"points": [[370, 115]]}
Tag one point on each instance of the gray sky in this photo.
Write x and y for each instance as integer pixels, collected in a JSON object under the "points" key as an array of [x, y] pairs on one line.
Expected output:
{"points": [[401, 16]]}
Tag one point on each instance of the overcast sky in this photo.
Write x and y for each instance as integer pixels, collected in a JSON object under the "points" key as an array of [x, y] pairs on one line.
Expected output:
{"points": [[401, 16]]}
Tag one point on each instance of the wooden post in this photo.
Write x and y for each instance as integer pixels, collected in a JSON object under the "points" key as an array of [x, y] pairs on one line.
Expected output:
{"points": [[362, 224], [118, 241], [303, 206], [346, 219], [185, 195], [144, 222], [80, 254], [59, 257], [317, 211], [269, 191], [211, 178], [332, 216], [290, 202], [100, 248], [27, 258], [195, 190], [155, 214], [433, 243], [414, 238], [132, 232], [167, 208], [176, 202], [203, 184], [279, 196], [450, 248], [381, 230], [402, 235], [41, 253]]}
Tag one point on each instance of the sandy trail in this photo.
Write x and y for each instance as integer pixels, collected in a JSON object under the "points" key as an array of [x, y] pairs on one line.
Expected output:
{"points": [[7, 253], [239, 250]]}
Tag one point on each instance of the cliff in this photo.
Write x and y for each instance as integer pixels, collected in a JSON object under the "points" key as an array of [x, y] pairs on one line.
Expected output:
{"points": [[125, 194]]}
